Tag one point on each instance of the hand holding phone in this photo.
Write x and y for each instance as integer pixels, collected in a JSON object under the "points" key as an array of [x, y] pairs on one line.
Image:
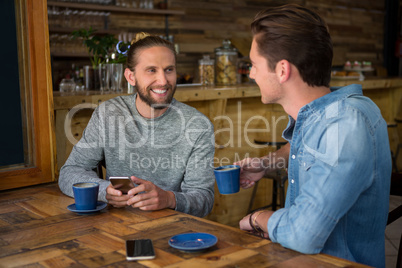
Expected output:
{"points": [[123, 184], [140, 249]]}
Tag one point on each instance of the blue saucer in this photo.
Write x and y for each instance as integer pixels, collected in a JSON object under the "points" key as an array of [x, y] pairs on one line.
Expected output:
{"points": [[101, 205], [192, 242]]}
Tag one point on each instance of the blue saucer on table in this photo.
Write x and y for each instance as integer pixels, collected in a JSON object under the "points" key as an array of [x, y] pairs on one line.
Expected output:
{"points": [[100, 205], [193, 242]]}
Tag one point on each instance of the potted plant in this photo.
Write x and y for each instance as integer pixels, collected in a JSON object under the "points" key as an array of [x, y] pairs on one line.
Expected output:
{"points": [[98, 47]]}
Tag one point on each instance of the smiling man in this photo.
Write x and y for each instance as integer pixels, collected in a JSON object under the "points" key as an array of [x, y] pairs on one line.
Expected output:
{"points": [[164, 146]]}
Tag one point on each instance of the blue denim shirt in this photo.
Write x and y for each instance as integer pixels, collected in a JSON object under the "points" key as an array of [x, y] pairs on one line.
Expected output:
{"points": [[339, 179]]}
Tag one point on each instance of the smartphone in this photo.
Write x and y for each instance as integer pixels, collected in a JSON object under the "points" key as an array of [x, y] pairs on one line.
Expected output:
{"points": [[139, 249], [124, 184]]}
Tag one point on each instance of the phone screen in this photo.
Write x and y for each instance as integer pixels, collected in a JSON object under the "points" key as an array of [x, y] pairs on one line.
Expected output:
{"points": [[140, 249], [124, 184]]}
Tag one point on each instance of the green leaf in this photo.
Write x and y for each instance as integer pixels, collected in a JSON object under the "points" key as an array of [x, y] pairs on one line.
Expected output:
{"points": [[98, 46]]}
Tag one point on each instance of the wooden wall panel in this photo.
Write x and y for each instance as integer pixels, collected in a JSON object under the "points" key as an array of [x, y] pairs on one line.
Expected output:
{"points": [[357, 27]]}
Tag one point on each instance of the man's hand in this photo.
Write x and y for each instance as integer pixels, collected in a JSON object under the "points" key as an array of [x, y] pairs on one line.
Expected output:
{"points": [[259, 218], [244, 223], [148, 196], [251, 171], [116, 197]]}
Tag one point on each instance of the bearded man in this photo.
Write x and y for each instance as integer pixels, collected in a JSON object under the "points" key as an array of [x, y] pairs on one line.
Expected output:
{"points": [[164, 146]]}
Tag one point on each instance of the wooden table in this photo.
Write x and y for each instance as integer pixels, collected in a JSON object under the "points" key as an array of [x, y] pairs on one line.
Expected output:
{"points": [[37, 230]]}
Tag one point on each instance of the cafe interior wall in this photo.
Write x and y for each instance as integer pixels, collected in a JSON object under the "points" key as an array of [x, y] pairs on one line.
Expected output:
{"points": [[357, 27]]}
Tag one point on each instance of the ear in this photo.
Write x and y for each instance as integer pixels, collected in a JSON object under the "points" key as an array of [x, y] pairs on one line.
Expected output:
{"points": [[129, 75], [283, 71]]}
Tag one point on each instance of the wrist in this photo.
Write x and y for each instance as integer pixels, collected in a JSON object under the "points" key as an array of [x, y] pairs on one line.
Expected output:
{"points": [[266, 161], [172, 198], [272, 163], [253, 221]]}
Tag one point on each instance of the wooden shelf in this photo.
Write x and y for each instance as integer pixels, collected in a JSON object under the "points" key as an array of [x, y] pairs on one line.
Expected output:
{"points": [[69, 55], [70, 30], [116, 8], [62, 56]]}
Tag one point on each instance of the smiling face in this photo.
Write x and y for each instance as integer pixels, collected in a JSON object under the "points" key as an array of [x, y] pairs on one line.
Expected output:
{"points": [[155, 79], [265, 78]]}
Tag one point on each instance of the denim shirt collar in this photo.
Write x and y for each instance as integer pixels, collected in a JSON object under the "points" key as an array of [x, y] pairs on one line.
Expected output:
{"points": [[320, 103], [335, 95]]}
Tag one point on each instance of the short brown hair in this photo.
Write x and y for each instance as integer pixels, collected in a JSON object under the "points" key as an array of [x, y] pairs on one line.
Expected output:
{"points": [[142, 41], [298, 35]]}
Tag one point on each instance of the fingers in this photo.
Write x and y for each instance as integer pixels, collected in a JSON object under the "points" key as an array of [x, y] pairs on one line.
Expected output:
{"points": [[148, 196], [137, 180], [142, 186], [245, 184], [117, 201], [249, 164], [145, 201], [153, 198], [115, 197], [244, 223], [243, 162], [112, 191], [252, 164]]}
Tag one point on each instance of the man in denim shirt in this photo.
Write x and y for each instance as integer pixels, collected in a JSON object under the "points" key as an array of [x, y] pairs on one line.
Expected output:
{"points": [[338, 155]]}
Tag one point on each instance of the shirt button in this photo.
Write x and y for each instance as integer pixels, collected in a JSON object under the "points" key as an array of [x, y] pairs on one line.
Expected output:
{"points": [[293, 156], [292, 181]]}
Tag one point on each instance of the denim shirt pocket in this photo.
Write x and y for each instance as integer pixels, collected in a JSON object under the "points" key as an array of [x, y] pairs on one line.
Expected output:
{"points": [[306, 160]]}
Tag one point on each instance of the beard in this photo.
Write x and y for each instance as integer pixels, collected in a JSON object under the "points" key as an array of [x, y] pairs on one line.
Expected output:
{"points": [[145, 95]]}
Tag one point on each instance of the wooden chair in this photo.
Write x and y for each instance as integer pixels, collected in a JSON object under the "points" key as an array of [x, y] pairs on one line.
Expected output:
{"points": [[396, 189], [396, 177], [278, 178], [397, 125], [394, 155], [99, 169], [398, 121]]}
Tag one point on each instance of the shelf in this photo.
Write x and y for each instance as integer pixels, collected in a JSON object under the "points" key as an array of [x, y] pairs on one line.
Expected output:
{"points": [[69, 55], [70, 30], [63, 56], [85, 55], [116, 8], [359, 69]]}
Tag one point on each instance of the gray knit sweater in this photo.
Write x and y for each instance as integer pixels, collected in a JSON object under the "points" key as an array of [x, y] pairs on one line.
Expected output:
{"points": [[174, 151]]}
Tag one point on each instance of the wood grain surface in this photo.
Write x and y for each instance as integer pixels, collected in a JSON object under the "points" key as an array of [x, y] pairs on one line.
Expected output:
{"points": [[37, 230]]}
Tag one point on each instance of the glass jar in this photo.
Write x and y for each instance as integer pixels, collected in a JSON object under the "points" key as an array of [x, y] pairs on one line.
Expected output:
{"points": [[226, 62], [67, 85], [206, 71], [243, 70]]}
